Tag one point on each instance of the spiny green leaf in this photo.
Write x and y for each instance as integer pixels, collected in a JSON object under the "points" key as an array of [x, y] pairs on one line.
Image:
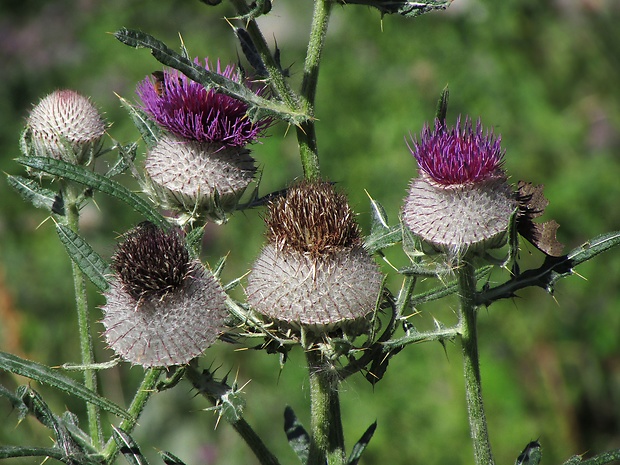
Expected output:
{"points": [[298, 437], [193, 240], [128, 447], [147, 128], [89, 261], [408, 9], [43, 374], [379, 216], [16, 402], [170, 459], [96, 181], [126, 156], [383, 239], [7, 452], [360, 445], [259, 107], [33, 192]]}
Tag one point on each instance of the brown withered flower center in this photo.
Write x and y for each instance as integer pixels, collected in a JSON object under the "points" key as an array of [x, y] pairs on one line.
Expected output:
{"points": [[312, 218]]}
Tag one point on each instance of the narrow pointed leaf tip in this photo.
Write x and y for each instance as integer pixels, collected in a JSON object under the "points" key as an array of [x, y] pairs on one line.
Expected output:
{"points": [[258, 107], [408, 9]]}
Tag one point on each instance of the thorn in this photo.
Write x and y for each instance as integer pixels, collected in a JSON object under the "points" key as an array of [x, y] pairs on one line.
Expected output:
{"points": [[582, 277]]}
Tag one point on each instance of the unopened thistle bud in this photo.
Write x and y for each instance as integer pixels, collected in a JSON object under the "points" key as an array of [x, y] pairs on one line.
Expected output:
{"points": [[314, 271], [163, 308], [461, 200], [202, 164], [65, 125]]}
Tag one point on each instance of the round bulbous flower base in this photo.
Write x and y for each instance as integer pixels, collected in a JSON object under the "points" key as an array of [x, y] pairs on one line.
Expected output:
{"points": [[66, 126], [338, 290], [199, 177], [460, 218], [167, 330]]}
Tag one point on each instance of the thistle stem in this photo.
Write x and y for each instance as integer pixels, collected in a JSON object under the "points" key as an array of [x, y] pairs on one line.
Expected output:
{"points": [[276, 77], [327, 438], [242, 427], [143, 394], [70, 195], [471, 365], [306, 133]]}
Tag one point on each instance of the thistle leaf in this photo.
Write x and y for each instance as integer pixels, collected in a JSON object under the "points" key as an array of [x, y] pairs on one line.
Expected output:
{"points": [[128, 447], [89, 261], [408, 9], [45, 375], [360, 445], [147, 128], [298, 437], [258, 107], [96, 181], [33, 192]]}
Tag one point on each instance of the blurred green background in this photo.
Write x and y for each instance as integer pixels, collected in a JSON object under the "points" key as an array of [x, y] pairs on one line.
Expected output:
{"points": [[545, 75]]}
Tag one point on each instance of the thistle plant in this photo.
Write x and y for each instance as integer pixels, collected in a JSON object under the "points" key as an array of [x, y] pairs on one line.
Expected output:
{"points": [[318, 285]]}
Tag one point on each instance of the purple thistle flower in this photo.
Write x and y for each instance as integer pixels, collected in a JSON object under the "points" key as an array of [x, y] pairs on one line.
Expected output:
{"points": [[187, 109], [461, 201], [460, 155]]}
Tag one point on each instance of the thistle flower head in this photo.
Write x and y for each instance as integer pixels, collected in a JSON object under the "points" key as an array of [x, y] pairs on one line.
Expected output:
{"points": [[314, 272], [460, 155], [162, 308], [189, 110], [461, 201], [66, 125]]}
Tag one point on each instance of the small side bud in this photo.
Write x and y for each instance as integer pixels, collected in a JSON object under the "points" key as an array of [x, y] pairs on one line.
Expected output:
{"points": [[66, 125]]}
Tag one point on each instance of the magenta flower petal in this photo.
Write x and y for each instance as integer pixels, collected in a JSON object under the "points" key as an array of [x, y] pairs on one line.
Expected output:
{"points": [[187, 109], [459, 155]]}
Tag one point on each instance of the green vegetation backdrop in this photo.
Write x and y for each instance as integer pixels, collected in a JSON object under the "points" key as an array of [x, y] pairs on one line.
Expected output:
{"points": [[544, 74]]}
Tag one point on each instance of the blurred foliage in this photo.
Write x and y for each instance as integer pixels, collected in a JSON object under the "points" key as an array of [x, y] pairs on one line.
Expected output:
{"points": [[543, 74]]}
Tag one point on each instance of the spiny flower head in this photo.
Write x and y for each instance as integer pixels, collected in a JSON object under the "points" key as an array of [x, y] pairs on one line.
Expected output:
{"points": [[187, 109], [459, 155], [314, 272], [65, 125], [461, 201], [163, 308]]}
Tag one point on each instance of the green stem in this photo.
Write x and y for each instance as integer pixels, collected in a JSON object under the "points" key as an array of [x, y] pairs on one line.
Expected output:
{"points": [[70, 195], [306, 133], [144, 392], [471, 364], [276, 77], [327, 438], [242, 427]]}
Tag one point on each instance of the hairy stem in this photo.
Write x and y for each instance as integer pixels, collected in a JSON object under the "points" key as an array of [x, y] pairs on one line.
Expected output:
{"points": [[471, 365], [306, 133], [327, 438], [70, 195], [143, 394]]}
